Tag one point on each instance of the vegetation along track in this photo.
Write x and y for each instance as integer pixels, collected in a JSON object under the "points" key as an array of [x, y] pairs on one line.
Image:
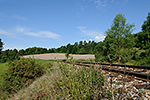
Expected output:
{"points": [[130, 82], [139, 72]]}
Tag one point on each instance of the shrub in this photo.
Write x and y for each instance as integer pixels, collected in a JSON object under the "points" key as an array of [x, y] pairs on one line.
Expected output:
{"points": [[144, 61], [137, 57], [21, 73], [3, 59]]}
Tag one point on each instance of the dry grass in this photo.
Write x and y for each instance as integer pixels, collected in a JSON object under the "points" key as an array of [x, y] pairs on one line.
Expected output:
{"points": [[41, 87]]}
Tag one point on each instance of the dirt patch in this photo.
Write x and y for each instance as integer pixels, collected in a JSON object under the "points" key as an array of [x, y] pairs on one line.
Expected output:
{"points": [[59, 56]]}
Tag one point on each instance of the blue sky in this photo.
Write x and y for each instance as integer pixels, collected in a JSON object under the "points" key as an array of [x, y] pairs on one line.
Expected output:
{"points": [[53, 23]]}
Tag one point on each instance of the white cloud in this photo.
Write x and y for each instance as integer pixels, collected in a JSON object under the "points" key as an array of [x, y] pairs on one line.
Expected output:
{"points": [[6, 47], [100, 3], [81, 4], [19, 17], [100, 37], [85, 41], [29, 32], [96, 34], [3, 32], [89, 33], [47, 34], [91, 40], [26, 31], [22, 29]]}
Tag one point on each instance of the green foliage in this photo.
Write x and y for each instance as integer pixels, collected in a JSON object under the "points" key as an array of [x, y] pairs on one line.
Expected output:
{"points": [[79, 83], [143, 40], [75, 48], [1, 45], [3, 59], [146, 24], [143, 58], [9, 55], [83, 47], [65, 82], [143, 61], [34, 50], [67, 54], [82, 51], [21, 73], [100, 52], [119, 42], [3, 68]]}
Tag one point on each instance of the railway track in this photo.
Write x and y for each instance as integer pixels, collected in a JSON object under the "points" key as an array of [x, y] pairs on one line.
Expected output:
{"points": [[135, 79], [139, 72]]}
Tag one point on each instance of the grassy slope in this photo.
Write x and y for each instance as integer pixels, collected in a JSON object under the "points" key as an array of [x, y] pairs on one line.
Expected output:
{"points": [[61, 82], [3, 68]]}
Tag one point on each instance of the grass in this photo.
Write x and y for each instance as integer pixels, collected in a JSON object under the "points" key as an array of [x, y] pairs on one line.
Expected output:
{"points": [[3, 68], [63, 81]]}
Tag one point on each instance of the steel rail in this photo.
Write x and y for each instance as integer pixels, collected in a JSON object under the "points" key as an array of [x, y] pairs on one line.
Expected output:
{"points": [[120, 65], [144, 77]]}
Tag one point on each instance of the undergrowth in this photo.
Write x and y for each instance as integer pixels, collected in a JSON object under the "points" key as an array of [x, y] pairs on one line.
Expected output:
{"points": [[20, 74], [63, 81]]}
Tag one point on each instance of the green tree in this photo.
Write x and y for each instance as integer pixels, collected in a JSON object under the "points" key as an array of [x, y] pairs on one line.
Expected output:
{"points": [[82, 51], [67, 54], [100, 52], [143, 38], [119, 41], [122, 41], [63, 49], [1, 45], [146, 24], [75, 48], [80, 44], [69, 47], [21, 52]]}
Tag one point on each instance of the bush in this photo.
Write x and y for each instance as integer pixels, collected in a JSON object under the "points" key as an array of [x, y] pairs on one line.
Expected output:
{"points": [[137, 57], [21, 73], [144, 61], [3, 59]]}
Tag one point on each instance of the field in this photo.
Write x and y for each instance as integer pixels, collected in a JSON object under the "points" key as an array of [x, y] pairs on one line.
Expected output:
{"points": [[60, 56]]}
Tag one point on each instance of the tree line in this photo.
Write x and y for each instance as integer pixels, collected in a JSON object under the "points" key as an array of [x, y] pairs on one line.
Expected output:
{"points": [[120, 45], [83, 47]]}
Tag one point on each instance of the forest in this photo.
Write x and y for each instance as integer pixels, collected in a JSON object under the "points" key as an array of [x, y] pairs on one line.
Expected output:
{"points": [[120, 45]]}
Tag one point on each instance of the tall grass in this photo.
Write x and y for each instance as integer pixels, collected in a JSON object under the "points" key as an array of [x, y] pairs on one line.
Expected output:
{"points": [[63, 81], [3, 68]]}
